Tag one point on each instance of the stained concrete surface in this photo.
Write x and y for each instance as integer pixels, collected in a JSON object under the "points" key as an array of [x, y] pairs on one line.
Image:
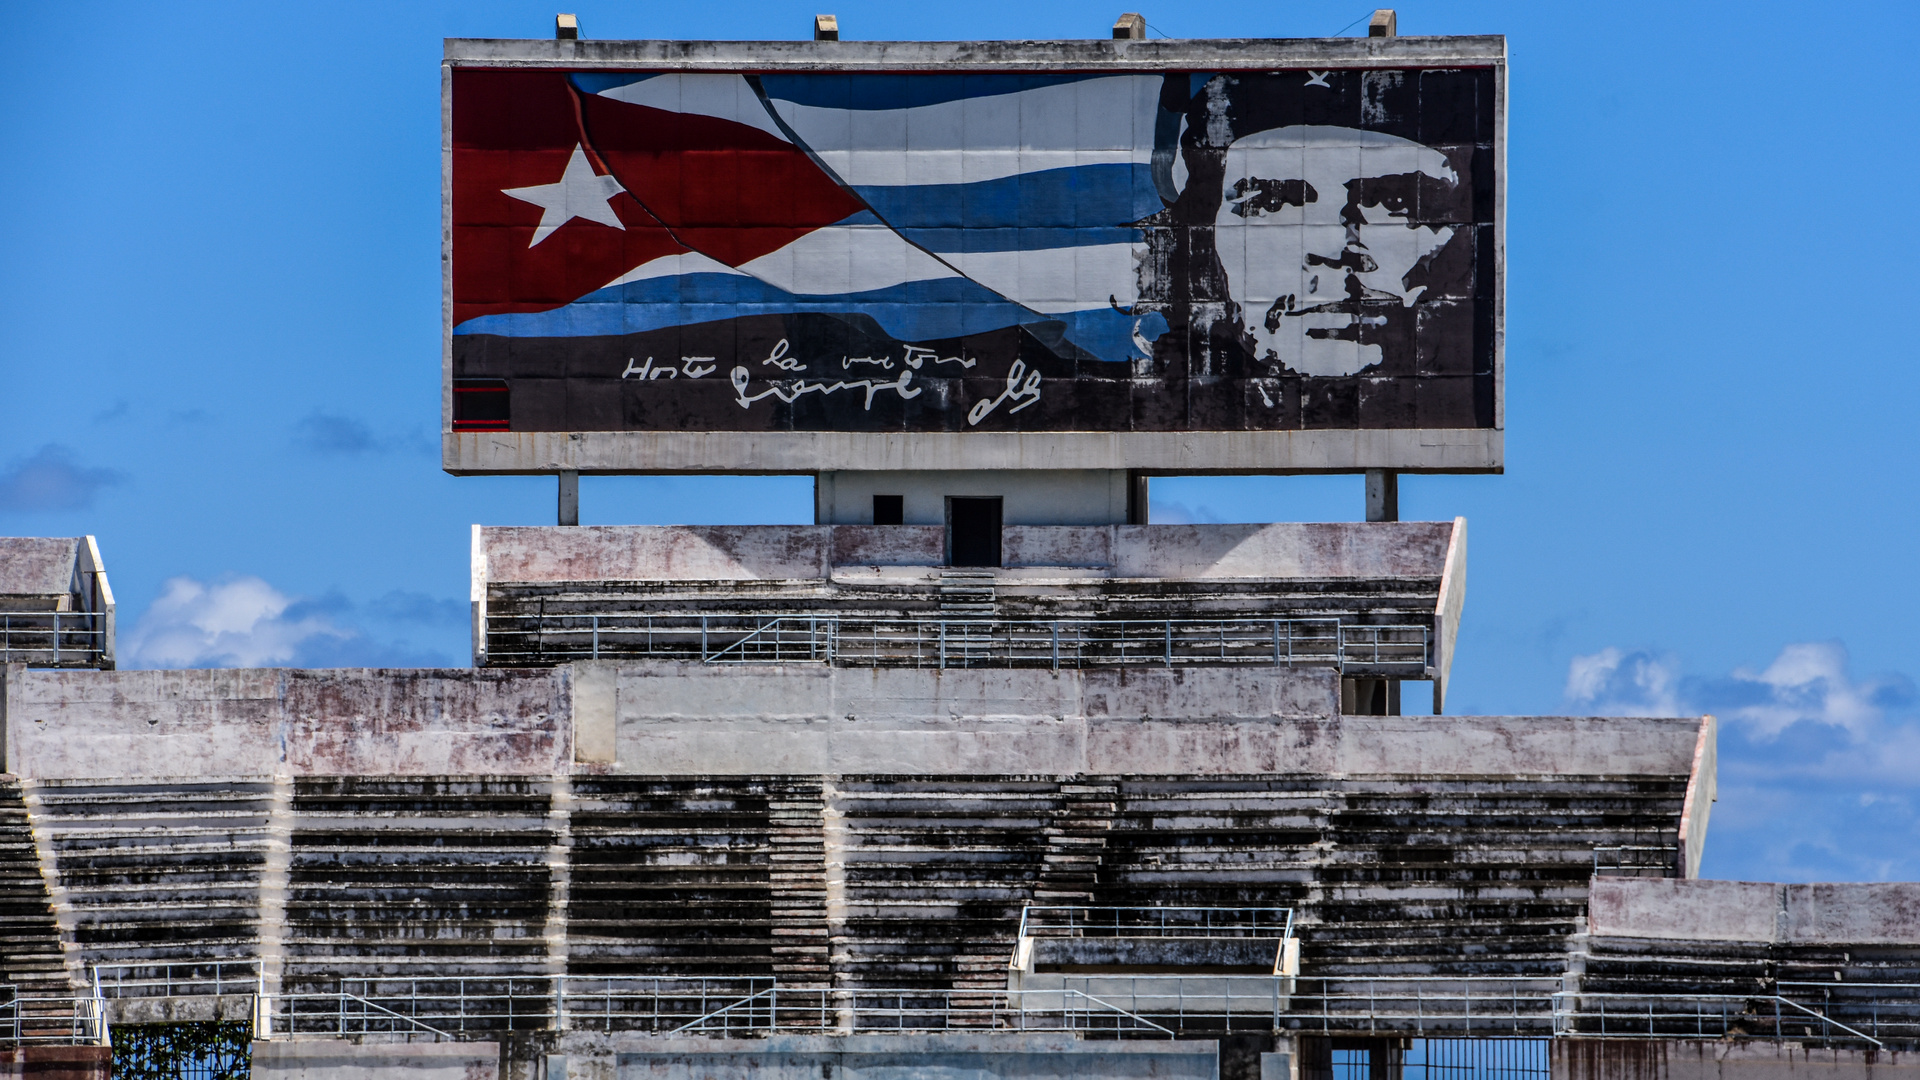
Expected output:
{"points": [[36, 566], [1689, 1059], [263, 722], [898, 1057], [331, 1059], [691, 553], [1696, 910]]}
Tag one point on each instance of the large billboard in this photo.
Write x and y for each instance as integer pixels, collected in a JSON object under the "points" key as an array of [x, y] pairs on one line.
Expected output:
{"points": [[817, 244]]}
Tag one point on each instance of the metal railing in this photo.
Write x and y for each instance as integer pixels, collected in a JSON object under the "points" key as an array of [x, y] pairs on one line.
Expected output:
{"points": [[1048, 921], [1889, 1012], [444, 1008], [1484, 1005], [1698, 1016], [879, 641], [1147, 1005], [215, 977], [1630, 860], [665, 1004], [68, 639], [59, 1021], [852, 1010], [452, 1009]]}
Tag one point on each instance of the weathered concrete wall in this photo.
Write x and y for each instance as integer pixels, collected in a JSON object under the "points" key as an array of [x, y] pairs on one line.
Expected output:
{"points": [[330, 1059], [1853, 914], [870, 1057], [37, 566], [1031, 496], [1686, 1059], [670, 718], [264, 722], [690, 719], [57, 1062], [789, 552]]}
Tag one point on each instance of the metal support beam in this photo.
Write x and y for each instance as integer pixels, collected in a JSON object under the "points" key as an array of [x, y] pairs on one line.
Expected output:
{"points": [[1383, 495], [569, 497]]}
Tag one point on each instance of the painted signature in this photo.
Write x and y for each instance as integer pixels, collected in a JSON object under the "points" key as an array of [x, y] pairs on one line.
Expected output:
{"points": [[690, 366], [1022, 386]]}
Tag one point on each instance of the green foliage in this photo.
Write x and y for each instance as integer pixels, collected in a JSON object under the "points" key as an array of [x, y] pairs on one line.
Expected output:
{"points": [[214, 1050]]}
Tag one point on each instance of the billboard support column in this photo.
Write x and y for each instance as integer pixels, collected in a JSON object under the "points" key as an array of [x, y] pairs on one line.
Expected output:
{"points": [[1383, 495], [569, 497]]}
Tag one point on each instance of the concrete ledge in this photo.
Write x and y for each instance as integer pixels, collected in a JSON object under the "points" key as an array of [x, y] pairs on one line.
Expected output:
{"points": [[676, 719], [1366, 550], [1076, 55], [1686, 1059], [57, 1062], [331, 1059], [178, 1010], [264, 722], [953, 1057], [1451, 450], [1838, 914], [692, 719]]}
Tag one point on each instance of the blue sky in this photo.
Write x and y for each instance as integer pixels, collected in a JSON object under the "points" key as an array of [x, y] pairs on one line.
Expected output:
{"points": [[219, 350]]}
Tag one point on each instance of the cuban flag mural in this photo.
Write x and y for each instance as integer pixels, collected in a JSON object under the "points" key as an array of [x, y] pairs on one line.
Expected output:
{"points": [[947, 252]]}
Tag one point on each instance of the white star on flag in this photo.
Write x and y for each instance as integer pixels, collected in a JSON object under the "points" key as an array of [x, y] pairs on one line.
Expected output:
{"points": [[581, 193]]}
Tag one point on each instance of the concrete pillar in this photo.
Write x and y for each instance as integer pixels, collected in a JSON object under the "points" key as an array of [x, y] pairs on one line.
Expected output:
{"points": [[569, 497], [1130, 27], [1383, 495], [1137, 498], [826, 28], [1383, 24]]}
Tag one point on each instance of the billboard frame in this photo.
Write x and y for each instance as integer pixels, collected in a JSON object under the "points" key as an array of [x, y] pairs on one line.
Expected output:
{"points": [[1320, 450]]}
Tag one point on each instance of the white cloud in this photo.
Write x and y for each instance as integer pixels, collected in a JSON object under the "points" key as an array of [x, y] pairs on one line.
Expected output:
{"points": [[1615, 683], [1819, 770], [1808, 681], [241, 622]]}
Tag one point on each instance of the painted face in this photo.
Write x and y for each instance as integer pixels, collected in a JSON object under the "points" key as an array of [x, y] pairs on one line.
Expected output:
{"points": [[1315, 234]]}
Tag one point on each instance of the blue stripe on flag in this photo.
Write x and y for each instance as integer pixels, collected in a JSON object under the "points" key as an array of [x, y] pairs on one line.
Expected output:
{"points": [[913, 311], [873, 91], [1088, 195]]}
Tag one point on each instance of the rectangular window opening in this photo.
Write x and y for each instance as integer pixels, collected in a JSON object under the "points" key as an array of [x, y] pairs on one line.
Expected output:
{"points": [[889, 510]]}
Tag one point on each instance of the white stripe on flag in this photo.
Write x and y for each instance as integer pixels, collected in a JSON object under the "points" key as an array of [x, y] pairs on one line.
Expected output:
{"points": [[1055, 280], [727, 97], [1090, 122], [687, 262], [842, 259]]}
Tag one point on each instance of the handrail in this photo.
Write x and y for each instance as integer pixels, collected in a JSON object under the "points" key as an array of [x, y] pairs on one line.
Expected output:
{"points": [[769, 993], [1829, 1020], [345, 997], [38, 637], [920, 640], [1565, 1017], [1034, 921], [1113, 1008]]}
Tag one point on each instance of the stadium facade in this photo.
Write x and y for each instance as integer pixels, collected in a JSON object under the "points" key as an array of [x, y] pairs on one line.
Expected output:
{"points": [[983, 774]]}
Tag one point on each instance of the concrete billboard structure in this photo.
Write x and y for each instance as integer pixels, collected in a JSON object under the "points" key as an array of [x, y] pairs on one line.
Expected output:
{"points": [[1174, 256]]}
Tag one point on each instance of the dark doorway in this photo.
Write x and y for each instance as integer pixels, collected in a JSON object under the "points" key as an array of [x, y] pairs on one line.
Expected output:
{"points": [[973, 531], [889, 509]]}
